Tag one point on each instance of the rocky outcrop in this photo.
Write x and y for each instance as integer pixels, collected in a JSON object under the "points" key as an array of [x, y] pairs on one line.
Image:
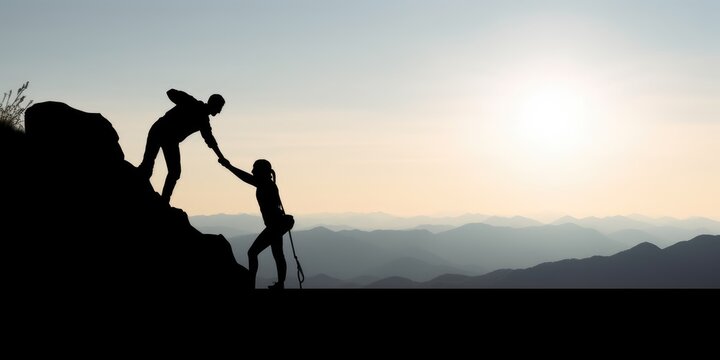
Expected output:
{"points": [[81, 221]]}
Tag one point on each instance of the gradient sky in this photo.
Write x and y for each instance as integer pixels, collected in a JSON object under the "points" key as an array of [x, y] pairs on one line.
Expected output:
{"points": [[536, 108]]}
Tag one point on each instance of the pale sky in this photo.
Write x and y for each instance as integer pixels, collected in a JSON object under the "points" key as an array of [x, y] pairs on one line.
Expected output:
{"points": [[534, 108]]}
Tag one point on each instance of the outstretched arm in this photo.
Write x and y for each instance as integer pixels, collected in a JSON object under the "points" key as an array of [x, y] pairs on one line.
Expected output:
{"points": [[244, 176], [206, 133], [216, 149]]}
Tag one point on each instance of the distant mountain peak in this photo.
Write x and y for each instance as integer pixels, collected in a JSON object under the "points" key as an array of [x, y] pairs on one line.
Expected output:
{"points": [[565, 219], [470, 227], [321, 229], [644, 247], [569, 225]]}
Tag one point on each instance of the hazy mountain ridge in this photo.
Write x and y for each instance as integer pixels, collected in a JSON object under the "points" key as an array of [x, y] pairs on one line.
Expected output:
{"points": [[420, 255], [662, 231], [504, 247], [246, 223], [688, 264], [352, 254], [632, 237], [666, 230]]}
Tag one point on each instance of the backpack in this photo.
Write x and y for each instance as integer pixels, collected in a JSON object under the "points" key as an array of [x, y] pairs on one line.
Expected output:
{"points": [[287, 222]]}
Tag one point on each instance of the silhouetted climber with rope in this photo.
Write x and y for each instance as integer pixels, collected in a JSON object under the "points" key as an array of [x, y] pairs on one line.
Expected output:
{"points": [[186, 117], [277, 223]]}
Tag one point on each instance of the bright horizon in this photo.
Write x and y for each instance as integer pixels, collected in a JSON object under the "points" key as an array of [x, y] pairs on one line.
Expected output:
{"points": [[530, 108]]}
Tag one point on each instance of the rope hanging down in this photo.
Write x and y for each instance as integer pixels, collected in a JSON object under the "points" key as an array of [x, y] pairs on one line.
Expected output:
{"points": [[300, 273]]}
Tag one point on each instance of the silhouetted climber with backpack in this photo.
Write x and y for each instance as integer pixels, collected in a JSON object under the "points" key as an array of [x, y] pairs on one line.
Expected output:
{"points": [[186, 117], [277, 223]]}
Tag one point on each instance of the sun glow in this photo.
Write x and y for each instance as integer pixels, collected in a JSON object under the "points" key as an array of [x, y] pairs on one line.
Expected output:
{"points": [[550, 125], [552, 120]]}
